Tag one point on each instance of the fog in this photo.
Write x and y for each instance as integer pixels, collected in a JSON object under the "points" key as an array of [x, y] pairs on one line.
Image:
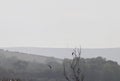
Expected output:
{"points": [[63, 23]]}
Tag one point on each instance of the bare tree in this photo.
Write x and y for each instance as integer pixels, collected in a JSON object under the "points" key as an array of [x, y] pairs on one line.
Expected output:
{"points": [[74, 72]]}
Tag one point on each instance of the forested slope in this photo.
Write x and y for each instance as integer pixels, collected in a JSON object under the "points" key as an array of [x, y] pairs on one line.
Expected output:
{"points": [[95, 69]]}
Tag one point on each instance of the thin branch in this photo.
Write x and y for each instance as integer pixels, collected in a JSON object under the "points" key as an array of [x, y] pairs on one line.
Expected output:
{"points": [[65, 73]]}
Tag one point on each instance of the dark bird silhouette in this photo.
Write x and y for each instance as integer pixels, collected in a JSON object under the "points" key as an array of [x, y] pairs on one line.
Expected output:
{"points": [[50, 66], [72, 53]]}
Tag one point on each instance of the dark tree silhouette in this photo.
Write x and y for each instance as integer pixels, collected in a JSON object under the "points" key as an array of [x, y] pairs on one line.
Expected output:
{"points": [[74, 72]]}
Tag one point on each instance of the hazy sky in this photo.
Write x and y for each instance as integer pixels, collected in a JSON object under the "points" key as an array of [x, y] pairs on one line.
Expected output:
{"points": [[60, 23]]}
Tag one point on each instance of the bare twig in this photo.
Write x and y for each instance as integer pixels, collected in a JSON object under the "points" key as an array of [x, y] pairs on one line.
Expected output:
{"points": [[75, 67]]}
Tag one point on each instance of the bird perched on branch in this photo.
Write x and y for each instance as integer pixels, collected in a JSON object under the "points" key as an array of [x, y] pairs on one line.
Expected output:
{"points": [[72, 53]]}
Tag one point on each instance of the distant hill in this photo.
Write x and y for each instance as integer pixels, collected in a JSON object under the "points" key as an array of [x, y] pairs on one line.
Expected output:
{"points": [[28, 57], [31, 67], [108, 53]]}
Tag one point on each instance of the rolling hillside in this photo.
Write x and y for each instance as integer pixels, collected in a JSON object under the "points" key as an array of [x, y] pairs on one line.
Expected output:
{"points": [[28, 57], [108, 53]]}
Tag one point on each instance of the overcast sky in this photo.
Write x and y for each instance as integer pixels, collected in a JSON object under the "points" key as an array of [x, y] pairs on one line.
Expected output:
{"points": [[60, 23]]}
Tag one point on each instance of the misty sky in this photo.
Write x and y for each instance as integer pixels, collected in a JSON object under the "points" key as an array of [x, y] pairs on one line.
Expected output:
{"points": [[60, 23]]}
